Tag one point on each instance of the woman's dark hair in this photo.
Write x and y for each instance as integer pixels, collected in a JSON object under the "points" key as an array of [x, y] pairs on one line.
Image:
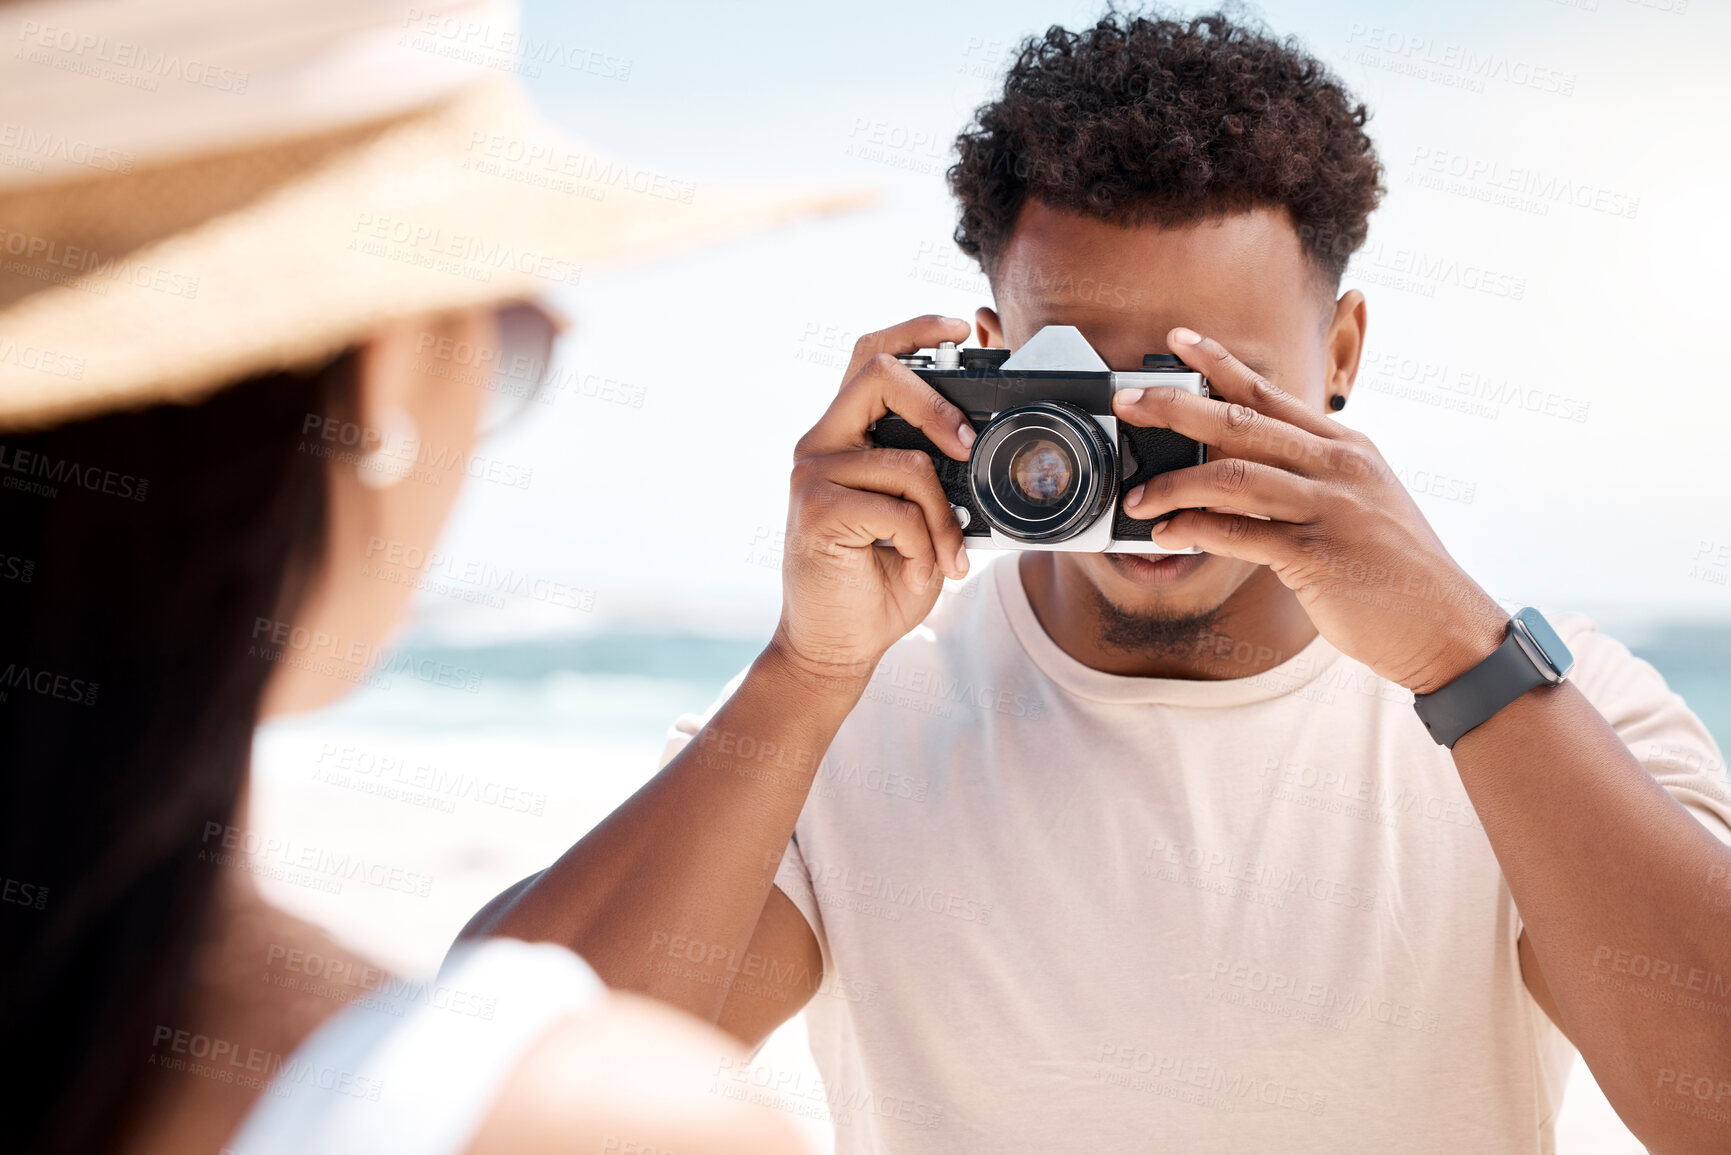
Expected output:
{"points": [[137, 553], [1147, 121]]}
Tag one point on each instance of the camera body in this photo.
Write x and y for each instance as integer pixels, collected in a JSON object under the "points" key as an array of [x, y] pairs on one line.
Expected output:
{"points": [[1050, 462]]}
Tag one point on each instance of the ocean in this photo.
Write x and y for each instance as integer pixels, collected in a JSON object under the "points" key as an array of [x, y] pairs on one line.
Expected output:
{"points": [[1695, 658], [632, 684]]}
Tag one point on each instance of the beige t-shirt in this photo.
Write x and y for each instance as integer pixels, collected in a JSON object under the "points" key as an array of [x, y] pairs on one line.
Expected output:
{"points": [[1065, 910]]}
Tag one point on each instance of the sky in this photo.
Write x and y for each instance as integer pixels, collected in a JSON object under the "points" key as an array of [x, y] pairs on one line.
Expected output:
{"points": [[1546, 284]]}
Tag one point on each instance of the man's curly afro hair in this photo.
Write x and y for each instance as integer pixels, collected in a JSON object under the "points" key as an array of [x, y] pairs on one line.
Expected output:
{"points": [[1141, 121]]}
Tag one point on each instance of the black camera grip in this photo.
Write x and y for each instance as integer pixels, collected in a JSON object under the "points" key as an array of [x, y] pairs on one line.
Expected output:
{"points": [[892, 432], [1156, 451]]}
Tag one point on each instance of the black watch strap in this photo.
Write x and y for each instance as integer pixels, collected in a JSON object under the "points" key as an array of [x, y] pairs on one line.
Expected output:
{"points": [[1476, 695]]}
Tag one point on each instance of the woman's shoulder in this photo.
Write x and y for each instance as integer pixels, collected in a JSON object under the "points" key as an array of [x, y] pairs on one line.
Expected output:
{"points": [[631, 1075], [513, 1046]]}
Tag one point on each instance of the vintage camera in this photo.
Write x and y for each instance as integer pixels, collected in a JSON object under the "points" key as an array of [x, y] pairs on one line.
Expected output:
{"points": [[1049, 461]]}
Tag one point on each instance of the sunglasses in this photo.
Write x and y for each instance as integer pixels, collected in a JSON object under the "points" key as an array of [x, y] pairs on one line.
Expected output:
{"points": [[517, 376]]}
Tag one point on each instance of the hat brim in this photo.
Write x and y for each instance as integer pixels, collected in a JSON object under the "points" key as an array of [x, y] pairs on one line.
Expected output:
{"points": [[166, 284]]}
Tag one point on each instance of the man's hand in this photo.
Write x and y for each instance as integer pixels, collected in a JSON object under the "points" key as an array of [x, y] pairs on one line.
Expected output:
{"points": [[1325, 513], [844, 599]]}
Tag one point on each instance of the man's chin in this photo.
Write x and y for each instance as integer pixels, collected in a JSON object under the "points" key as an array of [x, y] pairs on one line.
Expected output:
{"points": [[1154, 604]]}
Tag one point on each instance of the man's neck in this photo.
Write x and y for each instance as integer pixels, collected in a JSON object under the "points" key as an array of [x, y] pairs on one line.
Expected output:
{"points": [[1255, 629]]}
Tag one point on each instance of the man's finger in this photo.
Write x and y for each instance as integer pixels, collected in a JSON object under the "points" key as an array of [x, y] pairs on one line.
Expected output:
{"points": [[1228, 535], [908, 337], [1233, 429], [860, 519], [910, 475], [1244, 486], [884, 385], [1233, 380]]}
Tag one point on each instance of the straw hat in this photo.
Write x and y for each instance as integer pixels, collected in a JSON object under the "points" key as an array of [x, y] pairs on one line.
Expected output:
{"points": [[196, 191]]}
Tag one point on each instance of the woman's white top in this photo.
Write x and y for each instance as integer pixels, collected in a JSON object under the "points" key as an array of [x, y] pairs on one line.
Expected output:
{"points": [[415, 1070]]}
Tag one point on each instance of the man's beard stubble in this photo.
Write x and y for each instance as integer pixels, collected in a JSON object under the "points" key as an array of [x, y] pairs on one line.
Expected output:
{"points": [[1154, 633]]}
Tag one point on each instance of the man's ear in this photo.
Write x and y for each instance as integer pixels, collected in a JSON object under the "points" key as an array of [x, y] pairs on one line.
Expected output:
{"points": [[1345, 344], [991, 329]]}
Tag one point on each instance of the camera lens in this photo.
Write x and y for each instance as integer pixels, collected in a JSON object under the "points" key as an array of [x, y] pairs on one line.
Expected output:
{"points": [[1043, 472]]}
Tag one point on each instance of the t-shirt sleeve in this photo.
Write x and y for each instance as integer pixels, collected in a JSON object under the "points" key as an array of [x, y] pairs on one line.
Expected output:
{"points": [[793, 879], [1653, 721]]}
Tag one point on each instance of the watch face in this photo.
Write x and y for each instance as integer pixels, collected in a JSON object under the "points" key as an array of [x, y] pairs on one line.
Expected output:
{"points": [[1538, 631]]}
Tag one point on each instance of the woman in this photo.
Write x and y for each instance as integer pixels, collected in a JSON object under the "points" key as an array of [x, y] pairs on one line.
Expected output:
{"points": [[213, 392]]}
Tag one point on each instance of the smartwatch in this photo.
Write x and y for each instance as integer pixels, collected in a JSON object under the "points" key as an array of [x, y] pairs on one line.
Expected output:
{"points": [[1531, 655]]}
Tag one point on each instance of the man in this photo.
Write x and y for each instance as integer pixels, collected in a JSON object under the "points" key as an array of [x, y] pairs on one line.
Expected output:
{"points": [[1110, 851]]}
